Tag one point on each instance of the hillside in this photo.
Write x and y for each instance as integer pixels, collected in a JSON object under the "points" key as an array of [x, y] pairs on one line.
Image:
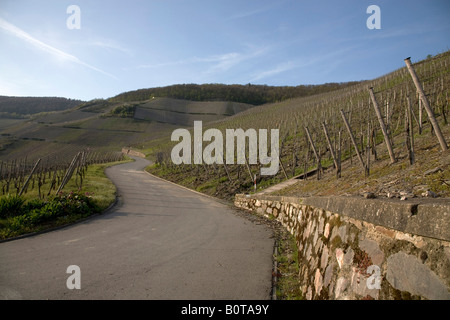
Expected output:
{"points": [[293, 116], [104, 126], [146, 124], [184, 112], [249, 94], [17, 107], [35, 127]]}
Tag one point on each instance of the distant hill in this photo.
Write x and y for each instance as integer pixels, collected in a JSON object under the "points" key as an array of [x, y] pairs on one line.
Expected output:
{"points": [[250, 93], [16, 106], [103, 125], [185, 112]]}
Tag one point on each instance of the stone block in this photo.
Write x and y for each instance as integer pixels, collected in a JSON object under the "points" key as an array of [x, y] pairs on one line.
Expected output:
{"points": [[318, 281], [318, 246], [373, 250], [309, 293], [316, 236], [348, 257], [388, 213], [300, 215], [326, 232], [386, 232], [328, 275], [342, 231], [324, 258], [275, 212], [321, 222], [431, 220], [341, 286], [308, 252], [359, 284], [407, 273], [340, 257]]}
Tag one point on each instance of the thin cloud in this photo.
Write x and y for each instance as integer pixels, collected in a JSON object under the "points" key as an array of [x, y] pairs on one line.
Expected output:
{"points": [[246, 14], [19, 33], [302, 63], [278, 69], [226, 61], [241, 15], [112, 45], [218, 63], [165, 64]]}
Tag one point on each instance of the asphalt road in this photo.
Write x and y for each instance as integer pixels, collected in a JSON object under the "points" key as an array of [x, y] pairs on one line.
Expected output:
{"points": [[160, 241]]}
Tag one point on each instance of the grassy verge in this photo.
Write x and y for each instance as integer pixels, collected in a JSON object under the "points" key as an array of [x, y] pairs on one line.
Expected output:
{"points": [[30, 213], [288, 282], [386, 177]]}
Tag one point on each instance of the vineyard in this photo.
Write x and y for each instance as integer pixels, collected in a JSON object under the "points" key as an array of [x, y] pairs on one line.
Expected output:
{"points": [[51, 174], [399, 118]]}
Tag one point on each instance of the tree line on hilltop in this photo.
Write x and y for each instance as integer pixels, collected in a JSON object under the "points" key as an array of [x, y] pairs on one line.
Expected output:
{"points": [[20, 106], [250, 93]]}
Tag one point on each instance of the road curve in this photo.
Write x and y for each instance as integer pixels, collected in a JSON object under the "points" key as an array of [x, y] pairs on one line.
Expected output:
{"points": [[160, 241]]}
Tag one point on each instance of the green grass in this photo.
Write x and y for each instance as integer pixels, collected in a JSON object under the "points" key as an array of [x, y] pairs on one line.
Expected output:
{"points": [[31, 213], [288, 287], [211, 185], [96, 183]]}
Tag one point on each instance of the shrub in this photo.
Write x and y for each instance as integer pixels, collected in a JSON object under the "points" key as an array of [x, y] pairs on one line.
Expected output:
{"points": [[19, 222], [33, 204], [22, 216], [75, 203], [11, 206]]}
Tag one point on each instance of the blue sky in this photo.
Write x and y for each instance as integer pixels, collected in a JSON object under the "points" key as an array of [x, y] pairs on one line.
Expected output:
{"points": [[128, 45]]}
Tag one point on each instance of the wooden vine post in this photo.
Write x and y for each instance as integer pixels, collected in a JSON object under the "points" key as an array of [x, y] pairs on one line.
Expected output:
{"points": [[420, 114], [409, 131], [69, 172], [382, 126], [25, 185], [319, 164], [282, 168], [333, 154], [347, 125], [339, 153], [228, 173], [248, 169], [368, 149], [423, 98], [225, 167]]}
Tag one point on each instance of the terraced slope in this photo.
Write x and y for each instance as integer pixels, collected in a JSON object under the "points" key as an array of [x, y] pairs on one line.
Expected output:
{"points": [[104, 126], [292, 117], [184, 112]]}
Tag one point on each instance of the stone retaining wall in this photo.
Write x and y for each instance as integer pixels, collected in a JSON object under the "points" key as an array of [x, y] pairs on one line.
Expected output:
{"points": [[356, 248]]}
